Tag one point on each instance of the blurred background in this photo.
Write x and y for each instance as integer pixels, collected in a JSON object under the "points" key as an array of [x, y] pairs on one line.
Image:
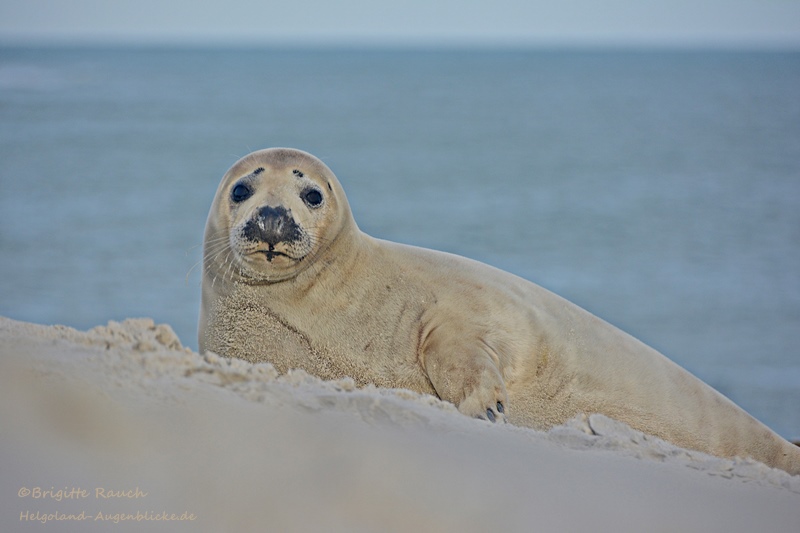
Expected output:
{"points": [[641, 161]]}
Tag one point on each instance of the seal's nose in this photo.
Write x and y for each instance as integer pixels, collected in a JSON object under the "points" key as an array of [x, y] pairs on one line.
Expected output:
{"points": [[272, 225]]}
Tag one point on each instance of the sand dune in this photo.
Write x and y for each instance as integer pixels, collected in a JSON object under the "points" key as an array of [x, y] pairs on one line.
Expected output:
{"points": [[121, 428]]}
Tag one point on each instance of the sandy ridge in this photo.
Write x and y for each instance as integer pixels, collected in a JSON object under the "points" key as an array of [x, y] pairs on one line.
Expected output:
{"points": [[124, 387]]}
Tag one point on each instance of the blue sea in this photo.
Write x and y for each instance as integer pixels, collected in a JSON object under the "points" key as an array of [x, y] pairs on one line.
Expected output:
{"points": [[658, 189]]}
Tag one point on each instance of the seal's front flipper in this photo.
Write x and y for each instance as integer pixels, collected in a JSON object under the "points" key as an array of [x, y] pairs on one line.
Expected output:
{"points": [[465, 374], [484, 393]]}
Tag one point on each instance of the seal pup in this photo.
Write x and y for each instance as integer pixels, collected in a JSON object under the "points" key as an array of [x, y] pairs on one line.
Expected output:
{"points": [[288, 278]]}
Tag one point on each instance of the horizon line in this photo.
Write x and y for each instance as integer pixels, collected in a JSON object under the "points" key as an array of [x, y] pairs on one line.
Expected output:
{"points": [[383, 43]]}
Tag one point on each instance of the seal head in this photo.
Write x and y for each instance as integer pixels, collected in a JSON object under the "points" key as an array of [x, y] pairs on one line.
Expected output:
{"points": [[275, 211]]}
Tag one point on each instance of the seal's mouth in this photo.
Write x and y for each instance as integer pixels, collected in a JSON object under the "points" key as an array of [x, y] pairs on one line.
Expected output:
{"points": [[271, 253]]}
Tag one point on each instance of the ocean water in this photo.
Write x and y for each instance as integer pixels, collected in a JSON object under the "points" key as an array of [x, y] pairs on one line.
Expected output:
{"points": [[659, 190]]}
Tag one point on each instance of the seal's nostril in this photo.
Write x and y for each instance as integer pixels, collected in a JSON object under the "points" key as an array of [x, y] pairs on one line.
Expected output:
{"points": [[272, 225]]}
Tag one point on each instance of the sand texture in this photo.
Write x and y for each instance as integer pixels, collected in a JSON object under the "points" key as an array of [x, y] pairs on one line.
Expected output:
{"points": [[122, 429]]}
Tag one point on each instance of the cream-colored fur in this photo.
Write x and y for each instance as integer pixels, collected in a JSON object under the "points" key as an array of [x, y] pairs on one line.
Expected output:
{"points": [[341, 303]]}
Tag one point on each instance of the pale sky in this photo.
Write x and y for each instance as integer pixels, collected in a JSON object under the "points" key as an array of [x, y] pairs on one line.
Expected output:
{"points": [[420, 22]]}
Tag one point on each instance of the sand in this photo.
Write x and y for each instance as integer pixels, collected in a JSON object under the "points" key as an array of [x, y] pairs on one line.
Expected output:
{"points": [[122, 429]]}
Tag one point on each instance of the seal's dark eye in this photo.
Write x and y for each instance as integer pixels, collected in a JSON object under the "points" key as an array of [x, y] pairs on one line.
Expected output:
{"points": [[312, 197], [240, 193]]}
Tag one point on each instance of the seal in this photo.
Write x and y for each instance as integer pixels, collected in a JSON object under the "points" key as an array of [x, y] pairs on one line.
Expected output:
{"points": [[290, 279]]}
